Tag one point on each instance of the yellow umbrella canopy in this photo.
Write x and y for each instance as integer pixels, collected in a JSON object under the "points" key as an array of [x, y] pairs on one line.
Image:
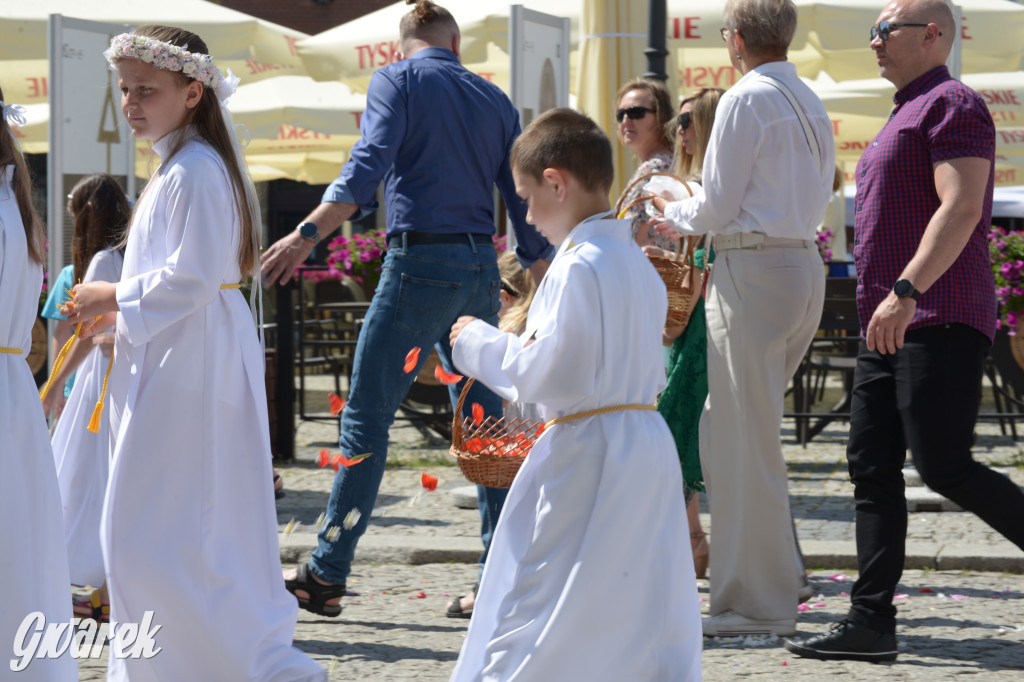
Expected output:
{"points": [[300, 129], [254, 49], [832, 36], [859, 109], [612, 38], [991, 33], [353, 51], [329, 107]]}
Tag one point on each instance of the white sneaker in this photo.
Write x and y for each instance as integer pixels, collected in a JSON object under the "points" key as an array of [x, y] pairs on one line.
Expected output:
{"points": [[732, 624]]}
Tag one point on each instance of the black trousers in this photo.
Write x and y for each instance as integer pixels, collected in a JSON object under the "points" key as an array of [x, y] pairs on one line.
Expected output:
{"points": [[923, 398]]}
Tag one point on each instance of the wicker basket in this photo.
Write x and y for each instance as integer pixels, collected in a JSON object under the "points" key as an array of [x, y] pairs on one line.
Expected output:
{"points": [[490, 453], [677, 272]]}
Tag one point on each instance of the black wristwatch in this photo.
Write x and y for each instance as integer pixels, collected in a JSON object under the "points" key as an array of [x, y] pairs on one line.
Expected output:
{"points": [[904, 289], [309, 231]]}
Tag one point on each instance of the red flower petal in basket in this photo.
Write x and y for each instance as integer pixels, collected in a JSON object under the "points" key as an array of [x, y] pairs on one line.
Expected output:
{"points": [[411, 359], [445, 377], [429, 482], [336, 403], [478, 413], [540, 429], [323, 459]]}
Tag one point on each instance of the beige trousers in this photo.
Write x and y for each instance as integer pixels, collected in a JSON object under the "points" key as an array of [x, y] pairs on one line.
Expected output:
{"points": [[763, 308]]}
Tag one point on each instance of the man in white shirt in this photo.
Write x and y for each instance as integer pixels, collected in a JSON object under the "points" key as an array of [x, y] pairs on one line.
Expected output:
{"points": [[767, 179]]}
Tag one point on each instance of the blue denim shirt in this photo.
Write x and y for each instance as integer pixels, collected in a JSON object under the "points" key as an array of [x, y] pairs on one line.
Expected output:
{"points": [[439, 136]]}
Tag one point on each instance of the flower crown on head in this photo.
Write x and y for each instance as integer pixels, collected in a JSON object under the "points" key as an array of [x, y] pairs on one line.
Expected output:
{"points": [[195, 65]]}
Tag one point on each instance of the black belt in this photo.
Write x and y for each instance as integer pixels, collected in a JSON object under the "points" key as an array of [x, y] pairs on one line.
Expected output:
{"points": [[421, 238]]}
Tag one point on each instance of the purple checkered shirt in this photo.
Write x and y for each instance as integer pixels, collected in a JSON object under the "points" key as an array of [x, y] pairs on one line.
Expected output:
{"points": [[936, 118]]}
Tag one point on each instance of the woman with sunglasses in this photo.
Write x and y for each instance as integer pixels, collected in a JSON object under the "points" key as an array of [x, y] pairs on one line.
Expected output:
{"points": [[683, 399], [643, 113]]}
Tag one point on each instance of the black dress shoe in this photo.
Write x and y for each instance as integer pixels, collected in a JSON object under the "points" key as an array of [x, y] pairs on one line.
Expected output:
{"points": [[846, 640]]}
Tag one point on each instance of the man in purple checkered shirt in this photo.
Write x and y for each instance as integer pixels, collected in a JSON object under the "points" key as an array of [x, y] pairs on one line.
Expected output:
{"points": [[927, 308]]}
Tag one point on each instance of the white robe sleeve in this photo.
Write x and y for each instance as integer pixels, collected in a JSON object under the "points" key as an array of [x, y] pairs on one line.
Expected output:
{"points": [[561, 363], [201, 238]]}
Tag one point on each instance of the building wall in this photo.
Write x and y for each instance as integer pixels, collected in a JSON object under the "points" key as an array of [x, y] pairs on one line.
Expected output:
{"points": [[308, 16]]}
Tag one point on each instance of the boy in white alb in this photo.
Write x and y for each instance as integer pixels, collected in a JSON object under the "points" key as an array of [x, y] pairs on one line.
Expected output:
{"points": [[597, 509]]}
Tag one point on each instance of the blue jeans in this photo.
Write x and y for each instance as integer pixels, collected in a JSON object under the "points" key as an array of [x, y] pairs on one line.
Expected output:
{"points": [[422, 291]]}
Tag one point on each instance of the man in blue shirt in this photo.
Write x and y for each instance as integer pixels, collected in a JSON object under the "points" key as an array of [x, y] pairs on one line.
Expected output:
{"points": [[439, 137]]}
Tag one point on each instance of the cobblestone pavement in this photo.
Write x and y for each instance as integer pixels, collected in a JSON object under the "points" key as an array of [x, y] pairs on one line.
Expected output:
{"points": [[952, 623]]}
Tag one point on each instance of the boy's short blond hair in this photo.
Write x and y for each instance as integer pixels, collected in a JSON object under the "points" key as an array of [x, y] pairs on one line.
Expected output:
{"points": [[567, 140]]}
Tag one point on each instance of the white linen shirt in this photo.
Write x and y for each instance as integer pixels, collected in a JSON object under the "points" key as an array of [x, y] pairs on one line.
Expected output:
{"points": [[759, 173]]}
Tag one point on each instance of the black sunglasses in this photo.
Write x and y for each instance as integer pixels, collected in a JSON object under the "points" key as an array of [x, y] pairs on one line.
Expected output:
{"points": [[684, 120], [635, 113], [507, 288], [884, 28]]}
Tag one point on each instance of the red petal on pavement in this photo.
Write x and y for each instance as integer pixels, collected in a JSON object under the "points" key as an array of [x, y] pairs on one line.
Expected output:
{"points": [[411, 359], [429, 482], [445, 377], [336, 403], [478, 413]]}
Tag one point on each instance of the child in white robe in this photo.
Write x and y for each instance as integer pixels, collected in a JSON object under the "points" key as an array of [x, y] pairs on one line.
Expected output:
{"points": [[101, 213], [33, 563], [590, 575], [189, 526]]}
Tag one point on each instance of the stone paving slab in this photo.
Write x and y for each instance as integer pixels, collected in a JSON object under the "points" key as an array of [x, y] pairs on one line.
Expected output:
{"points": [[952, 625]]}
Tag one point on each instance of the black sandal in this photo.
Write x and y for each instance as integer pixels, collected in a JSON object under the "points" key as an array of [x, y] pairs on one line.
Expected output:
{"points": [[278, 493], [318, 594], [455, 608]]}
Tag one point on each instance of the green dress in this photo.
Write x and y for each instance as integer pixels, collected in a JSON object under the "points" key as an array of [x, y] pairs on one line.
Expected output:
{"points": [[682, 401]]}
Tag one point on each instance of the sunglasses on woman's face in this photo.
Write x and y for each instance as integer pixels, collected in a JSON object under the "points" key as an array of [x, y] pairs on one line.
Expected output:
{"points": [[684, 120], [635, 113]]}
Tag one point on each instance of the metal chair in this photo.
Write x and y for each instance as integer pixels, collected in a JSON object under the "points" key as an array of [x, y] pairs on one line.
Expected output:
{"points": [[833, 350]]}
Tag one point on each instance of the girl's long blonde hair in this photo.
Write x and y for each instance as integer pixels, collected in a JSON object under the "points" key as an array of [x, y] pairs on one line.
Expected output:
{"points": [[705, 102], [522, 286], [21, 183], [208, 122]]}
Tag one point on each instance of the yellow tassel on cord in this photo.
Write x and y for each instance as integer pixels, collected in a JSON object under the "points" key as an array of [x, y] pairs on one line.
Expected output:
{"points": [[94, 421], [59, 362]]}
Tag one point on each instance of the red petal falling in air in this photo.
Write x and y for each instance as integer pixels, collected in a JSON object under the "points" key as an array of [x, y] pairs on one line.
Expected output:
{"points": [[411, 359], [343, 461], [429, 482], [446, 378], [478, 413], [323, 459], [336, 403]]}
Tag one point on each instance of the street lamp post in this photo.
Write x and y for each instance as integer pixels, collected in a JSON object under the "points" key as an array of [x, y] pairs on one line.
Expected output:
{"points": [[656, 31]]}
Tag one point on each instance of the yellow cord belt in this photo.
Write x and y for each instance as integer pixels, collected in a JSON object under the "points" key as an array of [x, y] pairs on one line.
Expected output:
{"points": [[11, 350], [591, 413]]}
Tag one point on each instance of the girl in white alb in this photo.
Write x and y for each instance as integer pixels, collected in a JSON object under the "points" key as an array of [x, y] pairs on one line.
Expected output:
{"points": [[33, 563], [81, 444], [189, 528]]}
